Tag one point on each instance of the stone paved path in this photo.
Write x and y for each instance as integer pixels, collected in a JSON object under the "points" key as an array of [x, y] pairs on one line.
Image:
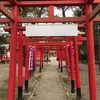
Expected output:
{"points": [[50, 86]]}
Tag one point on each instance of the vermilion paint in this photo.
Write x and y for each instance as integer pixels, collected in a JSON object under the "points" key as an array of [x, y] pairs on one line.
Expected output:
{"points": [[26, 67], [77, 71], [40, 61], [12, 67], [71, 61], [71, 53], [61, 60], [27, 61], [20, 58], [67, 58], [91, 58]]}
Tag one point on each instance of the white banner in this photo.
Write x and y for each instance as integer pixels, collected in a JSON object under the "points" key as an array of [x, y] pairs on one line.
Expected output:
{"points": [[52, 30]]}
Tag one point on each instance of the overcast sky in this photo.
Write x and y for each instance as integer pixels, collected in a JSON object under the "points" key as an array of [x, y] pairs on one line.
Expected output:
{"points": [[69, 13]]}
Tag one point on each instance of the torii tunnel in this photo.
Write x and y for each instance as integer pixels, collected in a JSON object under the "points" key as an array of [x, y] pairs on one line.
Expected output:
{"points": [[54, 43]]}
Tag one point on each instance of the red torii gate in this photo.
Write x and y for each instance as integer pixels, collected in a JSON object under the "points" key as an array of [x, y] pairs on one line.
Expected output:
{"points": [[14, 19], [60, 61], [31, 42]]}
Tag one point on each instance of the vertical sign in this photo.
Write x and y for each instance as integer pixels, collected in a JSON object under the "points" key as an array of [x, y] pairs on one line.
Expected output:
{"points": [[31, 58]]}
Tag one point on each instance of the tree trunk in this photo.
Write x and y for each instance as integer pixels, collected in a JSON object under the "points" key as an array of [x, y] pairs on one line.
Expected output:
{"points": [[99, 50]]}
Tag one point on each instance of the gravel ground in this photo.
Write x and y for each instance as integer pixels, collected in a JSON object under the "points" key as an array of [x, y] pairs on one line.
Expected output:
{"points": [[50, 87], [3, 81], [47, 85], [84, 82]]}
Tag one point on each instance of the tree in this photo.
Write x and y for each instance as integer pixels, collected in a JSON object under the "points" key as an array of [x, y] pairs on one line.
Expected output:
{"points": [[78, 12], [34, 12], [97, 42], [2, 41], [63, 9]]}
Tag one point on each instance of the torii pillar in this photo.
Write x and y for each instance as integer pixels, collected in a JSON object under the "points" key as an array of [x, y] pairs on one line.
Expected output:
{"points": [[20, 66], [72, 68], [59, 57], [42, 57], [40, 69], [91, 58], [77, 72], [26, 67], [67, 59], [61, 60], [35, 55], [12, 67]]}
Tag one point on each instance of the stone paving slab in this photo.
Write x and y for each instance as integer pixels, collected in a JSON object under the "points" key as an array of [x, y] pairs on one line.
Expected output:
{"points": [[50, 86]]}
